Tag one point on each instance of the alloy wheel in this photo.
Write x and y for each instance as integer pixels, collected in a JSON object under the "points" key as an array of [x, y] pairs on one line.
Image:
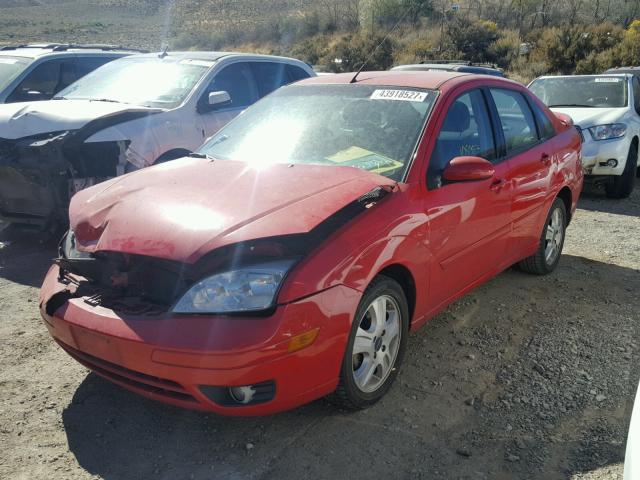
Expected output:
{"points": [[554, 236], [376, 343]]}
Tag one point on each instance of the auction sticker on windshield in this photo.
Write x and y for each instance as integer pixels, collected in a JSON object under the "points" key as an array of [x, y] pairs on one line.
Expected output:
{"points": [[404, 95], [608, 80]]}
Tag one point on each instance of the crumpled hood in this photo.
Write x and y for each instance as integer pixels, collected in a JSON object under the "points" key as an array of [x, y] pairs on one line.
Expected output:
{"points": [[19, 120], [183, 209], [589, 117]]}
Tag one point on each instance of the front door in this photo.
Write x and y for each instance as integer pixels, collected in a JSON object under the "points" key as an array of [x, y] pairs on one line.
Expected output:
{"points": [[238, 81], [469, 222]]}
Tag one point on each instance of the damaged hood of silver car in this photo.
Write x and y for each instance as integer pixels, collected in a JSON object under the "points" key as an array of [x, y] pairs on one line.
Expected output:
{"points": [[184, 209], [19, 120]]}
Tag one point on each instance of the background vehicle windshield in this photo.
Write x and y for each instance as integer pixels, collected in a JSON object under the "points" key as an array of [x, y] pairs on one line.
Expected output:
{"points": [[590, 92], [368, 127], [151, 82], [10, 68]]}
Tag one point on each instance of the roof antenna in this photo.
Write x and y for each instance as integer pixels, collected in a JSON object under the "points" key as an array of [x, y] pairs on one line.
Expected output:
{"points": [[364, 64], [164, 52]]}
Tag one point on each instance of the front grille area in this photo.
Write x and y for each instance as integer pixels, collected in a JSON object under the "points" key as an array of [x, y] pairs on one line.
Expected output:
{"points": [[128, 283], [126, 377]]}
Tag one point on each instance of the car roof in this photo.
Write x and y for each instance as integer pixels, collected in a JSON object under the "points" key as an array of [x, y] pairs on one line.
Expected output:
{"points": [[431, 79], [213, 56], [443, 66], [607, 74], [631, 70]]}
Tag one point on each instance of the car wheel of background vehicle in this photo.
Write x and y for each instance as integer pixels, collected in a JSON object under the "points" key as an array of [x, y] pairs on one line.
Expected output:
{"points": [[622, 186], [376, 345], [547, 257], [171, 155]]}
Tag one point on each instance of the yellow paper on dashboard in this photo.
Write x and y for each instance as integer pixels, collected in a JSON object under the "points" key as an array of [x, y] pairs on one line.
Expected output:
{"points": [[367, 160]]}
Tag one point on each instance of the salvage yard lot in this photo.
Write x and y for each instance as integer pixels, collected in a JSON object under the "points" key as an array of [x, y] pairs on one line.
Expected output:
{"points": [[526, 377]]}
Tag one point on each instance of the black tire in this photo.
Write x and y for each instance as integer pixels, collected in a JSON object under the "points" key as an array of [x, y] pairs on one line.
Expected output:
{"points": [[171, 155], [538, 264], [621, 186], [349, 395]]}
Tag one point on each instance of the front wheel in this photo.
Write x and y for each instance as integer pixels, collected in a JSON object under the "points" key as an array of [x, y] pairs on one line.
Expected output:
{"points": [[546, 259], [621, 186], [376, 345]]}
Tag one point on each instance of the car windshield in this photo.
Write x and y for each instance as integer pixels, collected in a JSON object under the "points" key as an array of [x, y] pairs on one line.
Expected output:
{"points": [[370, 127], [10, 68], [582, 92], [146, 81]]}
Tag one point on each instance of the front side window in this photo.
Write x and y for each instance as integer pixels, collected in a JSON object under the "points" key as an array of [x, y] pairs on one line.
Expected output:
{"points": [[516, 118], [44, 81], [10, 68], [466, 131], [588, 91], [237, 81], [360, 126], [147, 81]]}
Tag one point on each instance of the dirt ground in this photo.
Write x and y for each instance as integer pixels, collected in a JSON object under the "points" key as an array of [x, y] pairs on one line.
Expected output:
{"points": [[526, 377]]}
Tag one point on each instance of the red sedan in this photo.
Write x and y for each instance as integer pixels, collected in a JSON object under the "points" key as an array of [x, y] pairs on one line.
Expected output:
{"points": [[291, 256]]}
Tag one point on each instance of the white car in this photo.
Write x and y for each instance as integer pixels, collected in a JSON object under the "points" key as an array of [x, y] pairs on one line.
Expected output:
{"points": [[128, 114], [632, 456], [606, 108], [33, 72]]}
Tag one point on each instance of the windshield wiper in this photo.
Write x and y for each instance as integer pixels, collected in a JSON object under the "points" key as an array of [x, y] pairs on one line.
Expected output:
{"points": [[201, 155], [110, 100], [576, 105], [58, 98]]}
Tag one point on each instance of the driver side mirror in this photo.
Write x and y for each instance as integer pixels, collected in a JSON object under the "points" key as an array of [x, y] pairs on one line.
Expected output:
{"points": [[219, 99], [468, 169]]}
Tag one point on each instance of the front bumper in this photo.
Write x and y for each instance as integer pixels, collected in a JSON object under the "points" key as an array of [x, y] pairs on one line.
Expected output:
{"points": [[595, 154], [169, 357]]}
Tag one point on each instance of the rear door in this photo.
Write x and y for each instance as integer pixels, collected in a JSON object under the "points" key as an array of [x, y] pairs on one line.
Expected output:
{"points": [[528, 147], [469, 222]]}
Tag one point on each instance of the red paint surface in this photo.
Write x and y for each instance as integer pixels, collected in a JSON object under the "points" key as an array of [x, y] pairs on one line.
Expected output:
{"points": [[449, 240]]}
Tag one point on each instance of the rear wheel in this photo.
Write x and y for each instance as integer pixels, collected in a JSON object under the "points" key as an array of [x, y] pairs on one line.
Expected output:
{"points": [[376, 345], [622, 186], [546, 259]]}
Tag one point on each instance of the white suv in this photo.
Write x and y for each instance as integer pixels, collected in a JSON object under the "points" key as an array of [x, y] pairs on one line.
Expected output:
{"points": [[128, 114], [29, 73], [606, 108]]}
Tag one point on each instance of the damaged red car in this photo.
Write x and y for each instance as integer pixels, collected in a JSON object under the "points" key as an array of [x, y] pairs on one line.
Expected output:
{"points": [[291, 256]]}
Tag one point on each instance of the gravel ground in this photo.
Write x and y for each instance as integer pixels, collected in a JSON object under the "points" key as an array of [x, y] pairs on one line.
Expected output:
{"points": [[526, 377]]}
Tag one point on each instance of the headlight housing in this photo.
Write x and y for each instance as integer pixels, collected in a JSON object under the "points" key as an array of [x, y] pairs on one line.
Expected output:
{"points": [[245, 289], [68, 248], [607, 132]]}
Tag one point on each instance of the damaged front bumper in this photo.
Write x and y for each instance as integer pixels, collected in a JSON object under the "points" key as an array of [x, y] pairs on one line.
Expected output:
{"points": [[191, 360], [39, 175]]}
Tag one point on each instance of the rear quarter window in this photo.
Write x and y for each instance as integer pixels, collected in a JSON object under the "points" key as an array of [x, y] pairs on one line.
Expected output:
{"points": [[545, 125]]}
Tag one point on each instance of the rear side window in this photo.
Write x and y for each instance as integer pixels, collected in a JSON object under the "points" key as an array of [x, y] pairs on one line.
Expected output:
{"points": [[237, 80], [269, 76], [546, 128], [296, 73], [85, 65], [516, 118], [44, 81], [466, 131]]}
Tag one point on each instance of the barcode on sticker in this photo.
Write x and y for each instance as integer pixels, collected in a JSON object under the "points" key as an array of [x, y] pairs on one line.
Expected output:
{"points": [[608, 80], [404, 95]]}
